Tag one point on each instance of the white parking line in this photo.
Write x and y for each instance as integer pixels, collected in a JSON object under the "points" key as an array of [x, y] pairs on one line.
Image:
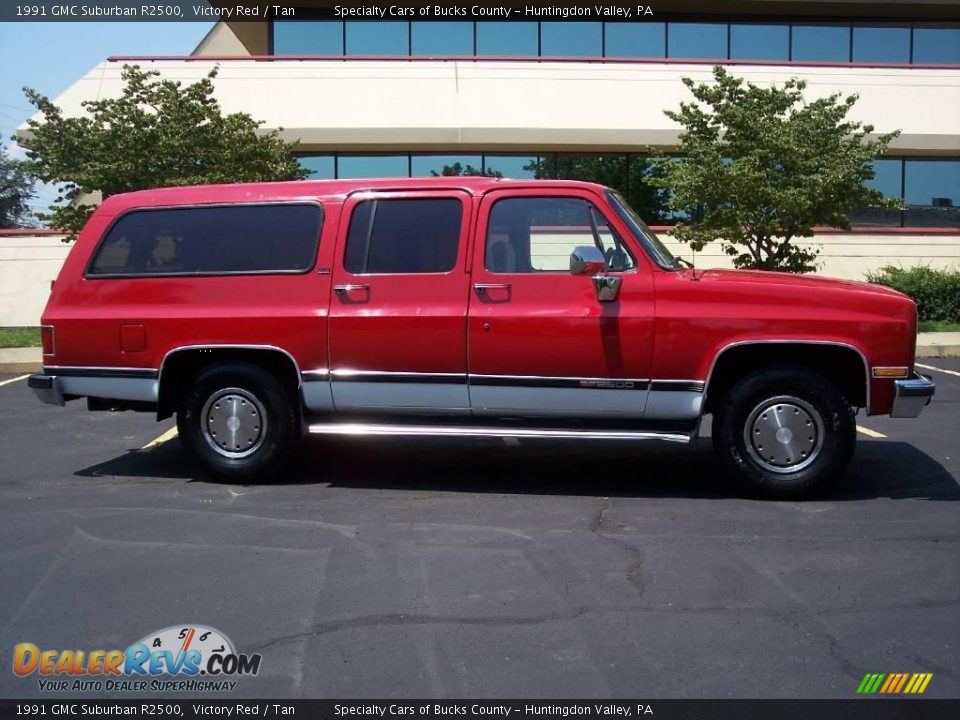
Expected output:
{"points": [[936, 369], [13, 380], [168, 435], [870, 433]]}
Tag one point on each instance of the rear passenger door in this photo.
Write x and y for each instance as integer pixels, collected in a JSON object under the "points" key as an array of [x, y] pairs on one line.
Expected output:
{"points": [[397, 329]]}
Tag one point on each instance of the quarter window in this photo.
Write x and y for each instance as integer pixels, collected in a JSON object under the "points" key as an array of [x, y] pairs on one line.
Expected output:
{"points": [[238, 239], [419, 235], [527, 235]]}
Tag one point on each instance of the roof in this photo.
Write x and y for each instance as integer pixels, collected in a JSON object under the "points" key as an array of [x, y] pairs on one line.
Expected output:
{"points": [[320, 189]]}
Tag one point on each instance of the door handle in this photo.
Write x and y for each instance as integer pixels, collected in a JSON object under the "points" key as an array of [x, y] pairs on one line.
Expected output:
{"points": [[344, 289], [481, 288]]}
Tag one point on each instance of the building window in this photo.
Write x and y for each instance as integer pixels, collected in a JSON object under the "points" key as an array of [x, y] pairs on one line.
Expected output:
{"points": [[403, 236], [936, 44], [378, 38], [881, 43], [697, 40], [293, 37], [759, 42], [571, 39], [320, 167], [932, 193], [373, 166], [442, 38], [820, 43], [518, 167], [509, 39], [636, 39], [446, 165]]}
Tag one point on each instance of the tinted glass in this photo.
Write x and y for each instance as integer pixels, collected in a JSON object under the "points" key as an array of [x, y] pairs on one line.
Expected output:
{"points": [[821, 43], [887, 44], [538, 234], [507, 38], [759, 42], [936, 44], [214, 240], [932, 191], [403, 236], [308, 37], [372, 166], [512, 166], [321, 167], [696, 40], [577, 39], [378, 38], [446, 165], [642, 40], [887, 175], [442, 38]]}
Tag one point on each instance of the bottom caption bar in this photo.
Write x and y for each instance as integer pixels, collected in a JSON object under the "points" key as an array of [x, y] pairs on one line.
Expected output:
{"points": [[874, 708]]}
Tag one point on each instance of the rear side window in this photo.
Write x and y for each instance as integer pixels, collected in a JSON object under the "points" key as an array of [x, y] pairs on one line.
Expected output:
{"points": [[403, 235], [218, 240]]}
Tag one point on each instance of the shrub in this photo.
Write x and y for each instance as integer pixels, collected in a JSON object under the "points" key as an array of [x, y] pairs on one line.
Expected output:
{"points": [[936, 292]]}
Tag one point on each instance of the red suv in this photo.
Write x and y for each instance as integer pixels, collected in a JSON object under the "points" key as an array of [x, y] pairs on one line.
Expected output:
{"points": [[460, 306]]}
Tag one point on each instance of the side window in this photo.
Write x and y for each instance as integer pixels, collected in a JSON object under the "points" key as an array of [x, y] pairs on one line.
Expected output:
{"points": [[419, 235], [210, 241], [526, 235]]}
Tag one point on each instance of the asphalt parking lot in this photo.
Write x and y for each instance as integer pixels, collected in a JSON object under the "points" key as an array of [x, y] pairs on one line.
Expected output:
{"points": [[385, 568]]}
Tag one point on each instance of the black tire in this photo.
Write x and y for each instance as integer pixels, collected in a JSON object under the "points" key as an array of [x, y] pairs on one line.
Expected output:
{"points": [[807, 423], [258, 421]]}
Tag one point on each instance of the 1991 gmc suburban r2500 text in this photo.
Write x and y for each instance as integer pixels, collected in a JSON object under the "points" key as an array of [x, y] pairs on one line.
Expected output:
{"points": [[460, 306]]}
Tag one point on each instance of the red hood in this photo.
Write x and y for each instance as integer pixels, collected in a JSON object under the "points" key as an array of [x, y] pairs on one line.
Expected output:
{"points": [[768, 277]]}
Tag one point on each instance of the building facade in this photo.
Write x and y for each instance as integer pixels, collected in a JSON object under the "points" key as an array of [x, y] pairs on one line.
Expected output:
{"points": [[543, 96]]}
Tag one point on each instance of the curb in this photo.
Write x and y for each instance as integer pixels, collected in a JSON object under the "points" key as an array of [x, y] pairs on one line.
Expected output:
{"points": [[19, 367]]}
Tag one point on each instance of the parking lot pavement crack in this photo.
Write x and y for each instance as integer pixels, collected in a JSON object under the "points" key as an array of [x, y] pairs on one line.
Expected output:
{"points": [[398, 619], [634, 572]]}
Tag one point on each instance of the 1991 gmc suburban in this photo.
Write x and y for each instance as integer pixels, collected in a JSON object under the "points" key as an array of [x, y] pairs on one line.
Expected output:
{"points": [[460, 306]]}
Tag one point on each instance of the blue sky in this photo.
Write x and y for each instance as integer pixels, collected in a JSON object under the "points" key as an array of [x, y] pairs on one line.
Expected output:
{"points": [[50, 56]]}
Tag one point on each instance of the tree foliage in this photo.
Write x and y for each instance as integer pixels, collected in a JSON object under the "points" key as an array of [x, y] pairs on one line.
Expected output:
{"points": [[761, 166], [458, 169], [16, 190], [158, 133]]}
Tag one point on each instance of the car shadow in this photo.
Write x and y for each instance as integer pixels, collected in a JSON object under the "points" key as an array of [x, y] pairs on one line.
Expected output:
{"points": [[880, 469]]}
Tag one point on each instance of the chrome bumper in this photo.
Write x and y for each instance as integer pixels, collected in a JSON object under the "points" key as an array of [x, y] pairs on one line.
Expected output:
{"points": [[47, 389], [912, 396]]}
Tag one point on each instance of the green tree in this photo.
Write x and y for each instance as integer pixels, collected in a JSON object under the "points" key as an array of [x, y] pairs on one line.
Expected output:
{"points": [[461, 170], [16, 190], [760, 167], [630, 175], [158, 133]]}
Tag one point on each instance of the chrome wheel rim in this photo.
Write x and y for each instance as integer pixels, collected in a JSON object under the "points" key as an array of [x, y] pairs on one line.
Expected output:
{"points": [[234, 422], [783, 434]]}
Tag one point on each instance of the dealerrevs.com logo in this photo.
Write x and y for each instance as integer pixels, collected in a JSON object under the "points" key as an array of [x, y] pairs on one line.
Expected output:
{"points": [[186, 658]]}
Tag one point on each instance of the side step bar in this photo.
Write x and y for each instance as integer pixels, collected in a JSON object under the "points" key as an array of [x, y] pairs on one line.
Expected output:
{"points": [[375, 429]]}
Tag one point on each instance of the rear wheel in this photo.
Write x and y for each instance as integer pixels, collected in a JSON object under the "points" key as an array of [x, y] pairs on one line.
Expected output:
{"points": [[784, 431], [238, 422]]}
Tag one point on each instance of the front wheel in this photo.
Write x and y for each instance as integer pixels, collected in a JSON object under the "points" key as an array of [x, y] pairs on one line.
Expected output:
{"points": [[782, 432], [238, 423]]}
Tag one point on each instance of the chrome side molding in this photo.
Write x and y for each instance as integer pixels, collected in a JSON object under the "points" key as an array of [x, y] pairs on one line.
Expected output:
{"points": [[361, 429]]}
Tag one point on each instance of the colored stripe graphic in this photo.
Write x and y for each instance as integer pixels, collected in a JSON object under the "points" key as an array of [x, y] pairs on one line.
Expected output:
{"points": [[894, 683]]}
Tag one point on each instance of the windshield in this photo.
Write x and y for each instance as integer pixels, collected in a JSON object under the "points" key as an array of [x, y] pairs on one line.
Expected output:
{"points": [[644, 235]]}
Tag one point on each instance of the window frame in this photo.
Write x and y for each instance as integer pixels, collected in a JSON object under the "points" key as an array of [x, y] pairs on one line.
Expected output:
{"points": [[89, 275], [358, 197], [592, 205]]}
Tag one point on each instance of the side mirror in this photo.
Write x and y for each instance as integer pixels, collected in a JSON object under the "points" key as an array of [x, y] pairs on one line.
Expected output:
{"points": [[587, 260]]}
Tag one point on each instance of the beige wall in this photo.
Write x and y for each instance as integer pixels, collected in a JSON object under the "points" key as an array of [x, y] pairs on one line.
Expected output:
{"points": [[502, 106], [28, 264]]}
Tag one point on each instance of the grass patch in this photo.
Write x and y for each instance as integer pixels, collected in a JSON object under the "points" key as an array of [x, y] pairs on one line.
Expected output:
{"points": [[18, 337], [938, 326]]}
